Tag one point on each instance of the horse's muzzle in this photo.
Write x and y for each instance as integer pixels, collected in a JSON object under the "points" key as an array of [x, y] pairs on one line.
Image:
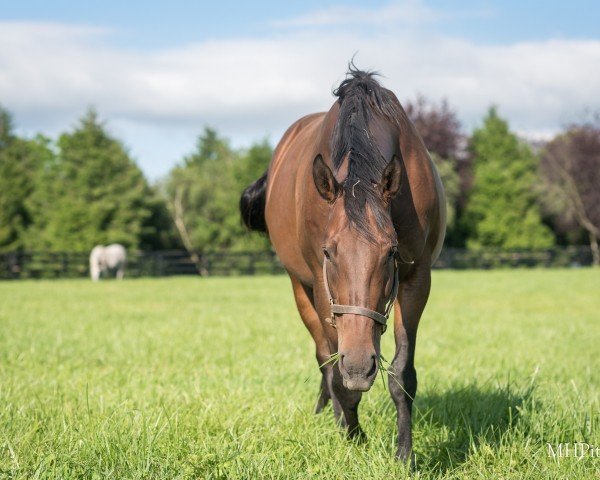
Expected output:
{"points": [[358, 371]]}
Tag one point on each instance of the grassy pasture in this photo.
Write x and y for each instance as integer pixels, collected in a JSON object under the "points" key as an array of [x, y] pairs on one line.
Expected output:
{"points": [[216, 378]]}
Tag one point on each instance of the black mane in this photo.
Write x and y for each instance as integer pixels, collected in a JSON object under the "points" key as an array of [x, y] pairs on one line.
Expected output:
{"points": [[360, 97]]}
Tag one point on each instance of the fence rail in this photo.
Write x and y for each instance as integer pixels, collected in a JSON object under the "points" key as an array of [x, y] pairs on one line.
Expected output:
{"points": [[23, 265]]}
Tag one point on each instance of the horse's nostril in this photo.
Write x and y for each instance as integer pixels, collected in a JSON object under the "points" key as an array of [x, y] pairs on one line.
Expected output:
{"points": [[373, 367], [342, 359]]}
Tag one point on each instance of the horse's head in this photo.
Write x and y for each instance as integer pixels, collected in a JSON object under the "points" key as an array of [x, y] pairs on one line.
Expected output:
{"points": [[359, 266]]}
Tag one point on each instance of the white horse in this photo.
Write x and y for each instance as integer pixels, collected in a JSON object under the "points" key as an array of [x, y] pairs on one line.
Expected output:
{"points": [[109, 259]]}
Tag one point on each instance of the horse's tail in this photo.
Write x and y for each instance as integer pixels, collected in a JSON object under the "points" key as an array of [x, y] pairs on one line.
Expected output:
{"points": [[252, 205]]}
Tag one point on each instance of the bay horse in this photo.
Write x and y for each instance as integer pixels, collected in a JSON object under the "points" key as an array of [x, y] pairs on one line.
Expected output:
{"points": [[355, 209]]}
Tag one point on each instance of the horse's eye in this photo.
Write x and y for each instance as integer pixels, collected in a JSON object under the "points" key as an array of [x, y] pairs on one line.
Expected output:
{"points": [[326, 253]]}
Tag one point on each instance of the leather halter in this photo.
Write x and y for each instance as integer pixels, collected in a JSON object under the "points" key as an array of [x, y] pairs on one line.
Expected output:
{"points": [[340, 309]]}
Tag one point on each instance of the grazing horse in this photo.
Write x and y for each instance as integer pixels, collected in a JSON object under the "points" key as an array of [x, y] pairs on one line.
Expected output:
{"points": [[110, 259], [355, 209]]}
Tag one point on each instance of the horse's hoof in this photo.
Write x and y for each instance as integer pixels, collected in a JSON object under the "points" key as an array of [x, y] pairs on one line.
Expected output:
{"points": [[320, 406], [321, 402], [407, 456], [357, 435]]}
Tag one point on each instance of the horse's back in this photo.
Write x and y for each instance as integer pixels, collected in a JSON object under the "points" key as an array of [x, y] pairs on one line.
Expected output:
{"points": [[292, 150], [286, 191], [115, 255]]}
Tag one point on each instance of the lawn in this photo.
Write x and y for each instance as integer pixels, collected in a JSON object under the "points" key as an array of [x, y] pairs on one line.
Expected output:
{"points": [[216, 378]]}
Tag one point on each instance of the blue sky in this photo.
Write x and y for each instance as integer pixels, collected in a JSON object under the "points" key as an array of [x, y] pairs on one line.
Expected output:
{"points": [[144, 24], [160, 71]]}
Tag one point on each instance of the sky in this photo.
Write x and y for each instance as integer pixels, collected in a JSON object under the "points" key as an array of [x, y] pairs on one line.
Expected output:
{"points": [[158, 72]]}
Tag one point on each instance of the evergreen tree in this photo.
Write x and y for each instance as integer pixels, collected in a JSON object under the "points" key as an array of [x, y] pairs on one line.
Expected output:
{"points": [[20, 164], [93, 194], [158, 231], [6, 128], [502, 210]]}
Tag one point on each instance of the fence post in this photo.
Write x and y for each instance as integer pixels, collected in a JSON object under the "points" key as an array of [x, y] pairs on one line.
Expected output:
{"points": [[64, 264]]}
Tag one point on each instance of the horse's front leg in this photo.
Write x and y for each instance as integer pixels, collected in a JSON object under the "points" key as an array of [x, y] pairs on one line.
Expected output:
{"points": [[345, 405], [305, 303], [402, 379]]}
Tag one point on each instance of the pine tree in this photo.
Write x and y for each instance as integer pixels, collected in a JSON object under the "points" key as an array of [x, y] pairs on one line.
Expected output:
{"points": [[21, 161], [502, 210], [93, 194]]}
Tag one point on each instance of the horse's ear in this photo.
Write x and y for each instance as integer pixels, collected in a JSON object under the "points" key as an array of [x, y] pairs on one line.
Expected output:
{"points": [[391, 180], [326, 184]]}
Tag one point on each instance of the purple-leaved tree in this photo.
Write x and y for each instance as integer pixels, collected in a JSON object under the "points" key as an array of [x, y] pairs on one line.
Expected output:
{"points": [[570, 172]]}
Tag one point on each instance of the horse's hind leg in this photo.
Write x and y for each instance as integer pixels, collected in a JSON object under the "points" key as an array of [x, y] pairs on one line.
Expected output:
{"points": [[120, 271], [304, 302]]}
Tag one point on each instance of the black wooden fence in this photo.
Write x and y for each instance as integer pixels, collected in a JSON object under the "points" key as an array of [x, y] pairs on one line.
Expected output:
{"points": [[22, 265], [15, 265]]}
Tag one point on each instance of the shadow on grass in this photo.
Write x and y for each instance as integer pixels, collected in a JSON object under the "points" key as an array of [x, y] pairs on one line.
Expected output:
{"points": [[454, 422]]}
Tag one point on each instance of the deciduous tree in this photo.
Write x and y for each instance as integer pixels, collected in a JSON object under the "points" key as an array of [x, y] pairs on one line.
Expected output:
{"points": [[570, 172], [203, 192]]}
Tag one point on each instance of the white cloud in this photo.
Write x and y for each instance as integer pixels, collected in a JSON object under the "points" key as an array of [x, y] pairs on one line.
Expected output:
{"points": [[248, 88]]}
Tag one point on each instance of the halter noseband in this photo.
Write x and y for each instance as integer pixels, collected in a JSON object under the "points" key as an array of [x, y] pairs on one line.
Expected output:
{"points": [[339, 309]]}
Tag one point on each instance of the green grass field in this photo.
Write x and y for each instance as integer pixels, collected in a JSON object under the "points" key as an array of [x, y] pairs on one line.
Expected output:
{"points": [[216, 378]]}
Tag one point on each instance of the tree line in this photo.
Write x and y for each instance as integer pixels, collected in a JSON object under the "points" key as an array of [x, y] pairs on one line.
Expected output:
{"points": [[84, 188]]}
